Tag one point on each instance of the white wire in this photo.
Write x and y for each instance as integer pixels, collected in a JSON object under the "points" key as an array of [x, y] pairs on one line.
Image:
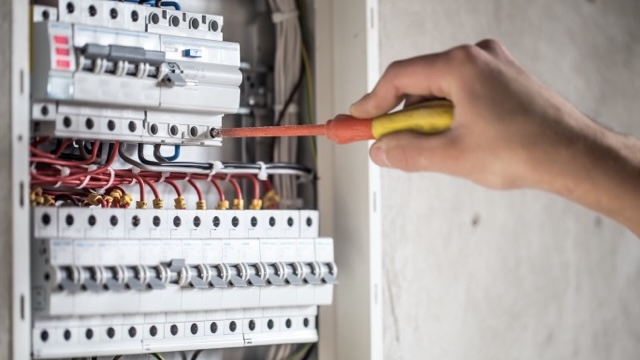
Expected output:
{"points": [[287, 67]]}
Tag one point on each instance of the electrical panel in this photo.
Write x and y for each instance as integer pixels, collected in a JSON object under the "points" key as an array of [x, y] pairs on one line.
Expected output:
{"points": [[112, 273]]}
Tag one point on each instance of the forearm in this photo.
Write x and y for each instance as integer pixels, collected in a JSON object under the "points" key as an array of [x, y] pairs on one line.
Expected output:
{"points": [[600, 170]]}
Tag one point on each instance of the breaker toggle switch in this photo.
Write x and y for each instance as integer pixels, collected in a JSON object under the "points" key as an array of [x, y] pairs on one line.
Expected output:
{"points": [[94, 278], [173, 77], [257, 274], [199, 276], [294, 273], [158, 277], [276, 274], [329, 273], [137, 277], [68, 278], [219, 276], [312, 273], [237, 275], [115, 278]]}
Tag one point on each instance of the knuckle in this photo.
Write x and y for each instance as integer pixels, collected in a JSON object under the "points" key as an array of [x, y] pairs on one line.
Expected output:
{"points": [[490, 45]]}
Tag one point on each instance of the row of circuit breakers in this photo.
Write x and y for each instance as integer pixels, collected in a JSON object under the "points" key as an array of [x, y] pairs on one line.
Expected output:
{"points": [[127, 281]]}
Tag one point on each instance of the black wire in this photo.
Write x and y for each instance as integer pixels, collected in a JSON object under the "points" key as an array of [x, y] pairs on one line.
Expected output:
{"points": [[289, 100], [176, 164], [207, 166], [158, 3], [195, 355]]}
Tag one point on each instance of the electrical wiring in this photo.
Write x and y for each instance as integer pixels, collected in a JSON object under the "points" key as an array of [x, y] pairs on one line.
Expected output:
{"points": [[287, 62], [218, 189], [196, 188], [157, 356], [159, 157]]}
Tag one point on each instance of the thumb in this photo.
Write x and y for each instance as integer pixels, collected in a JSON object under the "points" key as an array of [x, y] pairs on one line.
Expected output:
{"points": [[414, 152]]}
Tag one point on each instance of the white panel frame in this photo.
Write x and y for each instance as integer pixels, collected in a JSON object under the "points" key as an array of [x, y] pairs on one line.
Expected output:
{"points": [[347, 66], [20, 223]]}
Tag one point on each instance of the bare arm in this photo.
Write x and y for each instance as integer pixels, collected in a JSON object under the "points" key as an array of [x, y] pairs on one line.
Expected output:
{"points": [[510, 131]]}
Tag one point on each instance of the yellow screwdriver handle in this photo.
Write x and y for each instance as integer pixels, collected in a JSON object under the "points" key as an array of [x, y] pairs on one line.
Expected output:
{"points": [[427, 118]]}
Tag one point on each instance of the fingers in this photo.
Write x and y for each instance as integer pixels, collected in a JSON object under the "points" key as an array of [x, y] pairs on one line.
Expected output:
{"points": [[426, 76], [495, 49], [415, 152]]}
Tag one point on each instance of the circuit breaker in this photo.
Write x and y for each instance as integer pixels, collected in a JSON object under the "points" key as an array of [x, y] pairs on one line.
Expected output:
{"points": [[113, 273]]}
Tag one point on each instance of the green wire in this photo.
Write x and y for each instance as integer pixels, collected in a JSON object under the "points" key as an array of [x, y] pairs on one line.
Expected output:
{"points": [[157, 356], [298, 354]]}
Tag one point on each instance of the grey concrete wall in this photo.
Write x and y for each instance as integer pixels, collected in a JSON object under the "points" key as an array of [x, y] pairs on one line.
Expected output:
{"points": [[479, 274]]}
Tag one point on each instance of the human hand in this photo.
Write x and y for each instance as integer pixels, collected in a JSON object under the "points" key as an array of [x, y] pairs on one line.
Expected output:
{"points": [[507, 126], [509, 131]]}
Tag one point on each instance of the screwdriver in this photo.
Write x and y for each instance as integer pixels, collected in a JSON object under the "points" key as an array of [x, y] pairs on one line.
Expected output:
{"points": [[427, 118]]}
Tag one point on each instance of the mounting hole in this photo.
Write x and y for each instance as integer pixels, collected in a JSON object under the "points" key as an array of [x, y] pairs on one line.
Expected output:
{"points": [[135, 221], [193, 131], [174, 21], [45, 14], [154, 129], [272, 221], [46, 219], [252, 325], [44, 110], [156, 221], [113, 220], [88, 334], [196, 221], [66, 122], [288, 323], [213, 327], [44, 335], [132, 126], [309, 221], [89, 123], [113, 13], [270, 324], [69, 220], [233, 326], [71, 8], [155, 18], [235, 221], [194, 23], [92, 220], [132, 332], [111, 125], [174, 329], [290, 221], [254, 221], [153, 331], [93, 11], [111, 332], [135, 16], [47, 276], [213, 25], [305, 322], [177, 221], [173, 130], [194, 329], [215, 221]]}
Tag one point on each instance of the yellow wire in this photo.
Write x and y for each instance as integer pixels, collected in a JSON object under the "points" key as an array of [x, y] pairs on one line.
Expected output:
{"points": [[310, 96]]}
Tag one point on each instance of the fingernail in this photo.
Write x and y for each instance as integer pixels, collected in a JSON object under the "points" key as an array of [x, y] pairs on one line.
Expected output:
{"points": [[378, 155]]}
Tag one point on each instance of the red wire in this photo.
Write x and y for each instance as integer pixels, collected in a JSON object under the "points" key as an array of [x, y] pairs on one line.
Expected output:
{"points": [[218, 188], [174, 186], [90, 160], [236, 187], [256, 185], [196, 188]]}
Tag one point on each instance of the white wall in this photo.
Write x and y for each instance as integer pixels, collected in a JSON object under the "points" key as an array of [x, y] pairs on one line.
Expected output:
{"points": [[479, 274]]}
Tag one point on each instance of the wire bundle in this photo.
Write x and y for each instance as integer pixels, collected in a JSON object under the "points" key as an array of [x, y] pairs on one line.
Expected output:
{"points": [[60, 176], [287, 68]]}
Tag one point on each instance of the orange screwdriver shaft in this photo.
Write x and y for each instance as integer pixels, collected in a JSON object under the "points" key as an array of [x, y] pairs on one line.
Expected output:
{"points": [[343, 129]]}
